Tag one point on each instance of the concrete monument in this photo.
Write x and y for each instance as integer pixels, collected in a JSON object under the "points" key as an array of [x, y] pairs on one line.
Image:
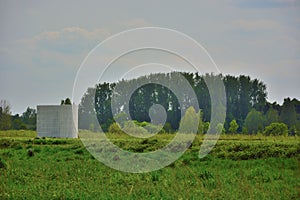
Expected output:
{"points": [[59, 121]]}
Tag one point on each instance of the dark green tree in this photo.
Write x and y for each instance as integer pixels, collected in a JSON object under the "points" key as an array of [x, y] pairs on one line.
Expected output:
{"points": [[29, 118], [253, 121], [288, 113], [233, 126], [86, 110], [242, 94], [102, 105], [271, 116], [68, 101], [244, 103], [17, 123]]}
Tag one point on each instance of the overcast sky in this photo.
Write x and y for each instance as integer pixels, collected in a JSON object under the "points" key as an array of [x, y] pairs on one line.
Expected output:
{"points": [[43, 44]]}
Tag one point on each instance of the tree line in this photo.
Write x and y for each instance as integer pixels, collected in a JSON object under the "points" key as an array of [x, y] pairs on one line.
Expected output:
{"points": [[248, 110], [25, 121]]}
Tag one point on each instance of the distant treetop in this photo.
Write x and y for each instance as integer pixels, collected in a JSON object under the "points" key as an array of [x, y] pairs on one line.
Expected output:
{"points": [[67, 101]]}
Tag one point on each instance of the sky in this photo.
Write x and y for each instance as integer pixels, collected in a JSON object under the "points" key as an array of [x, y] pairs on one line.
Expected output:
{"points": [[42, 44]]}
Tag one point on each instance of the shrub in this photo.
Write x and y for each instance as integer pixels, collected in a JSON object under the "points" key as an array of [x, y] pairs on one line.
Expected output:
{"points": [[233, 126], [5, 143], [79, 151], [131, 127], [37, 149], [114, 128], [153, 128], [276, 129], [142, 124], [205, 127], [3, 164], [16, 146], [293, 131], [168, 127], [244, 130], [220, 128]]}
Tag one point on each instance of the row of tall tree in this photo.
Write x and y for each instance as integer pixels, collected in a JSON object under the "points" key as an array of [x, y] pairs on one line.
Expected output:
{"points": [[246, 102], [247, 108]]}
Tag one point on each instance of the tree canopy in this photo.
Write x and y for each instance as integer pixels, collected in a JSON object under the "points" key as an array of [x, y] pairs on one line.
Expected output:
{"points": [[243, 94]]}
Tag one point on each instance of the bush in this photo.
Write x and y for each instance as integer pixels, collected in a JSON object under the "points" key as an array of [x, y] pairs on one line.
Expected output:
{"points": [[293, 131], [153, 128], [276, 129], [16, 146], [131, 127], [233, 126], [244, 130], [3, 164], [114, 128], [220, 128], [205, 127], [167, 127], [37, 149], [142, 124]]}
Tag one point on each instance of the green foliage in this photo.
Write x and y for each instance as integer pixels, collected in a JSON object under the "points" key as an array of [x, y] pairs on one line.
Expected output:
{"points": [[205, 127], [253, 121], [167, 127], [131, 127], [233, 126], [67, 101], [121, 118], [293, 131], [220, 128], [288, 113], [271, 116], [276, 129], [239, 167], [187, 123], [200, 126], [3, 164], [28, 119], [115, 128], [151, 128], [17, 123], [245, 130], [242, 94], [5, 118], [86, 111]]}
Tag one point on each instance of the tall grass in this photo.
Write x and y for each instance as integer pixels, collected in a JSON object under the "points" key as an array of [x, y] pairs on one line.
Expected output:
{"points": [[239, 167]]}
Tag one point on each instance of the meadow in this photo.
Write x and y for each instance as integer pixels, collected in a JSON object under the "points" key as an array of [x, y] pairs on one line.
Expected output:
{"points": [[239, 167]]}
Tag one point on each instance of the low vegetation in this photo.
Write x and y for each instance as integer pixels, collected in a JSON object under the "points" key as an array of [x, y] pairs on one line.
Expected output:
{"points": [[239, 167]]}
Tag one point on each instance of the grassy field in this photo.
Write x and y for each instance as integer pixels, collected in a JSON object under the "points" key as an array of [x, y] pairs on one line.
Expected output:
{"points": [[239, 167]]}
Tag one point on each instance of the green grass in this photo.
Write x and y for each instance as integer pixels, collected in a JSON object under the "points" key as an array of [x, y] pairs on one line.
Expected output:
{"points": [[239, 167]]}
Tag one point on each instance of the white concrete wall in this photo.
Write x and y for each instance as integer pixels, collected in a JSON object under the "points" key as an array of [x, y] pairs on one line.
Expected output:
{"points": [[59, 121]]}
